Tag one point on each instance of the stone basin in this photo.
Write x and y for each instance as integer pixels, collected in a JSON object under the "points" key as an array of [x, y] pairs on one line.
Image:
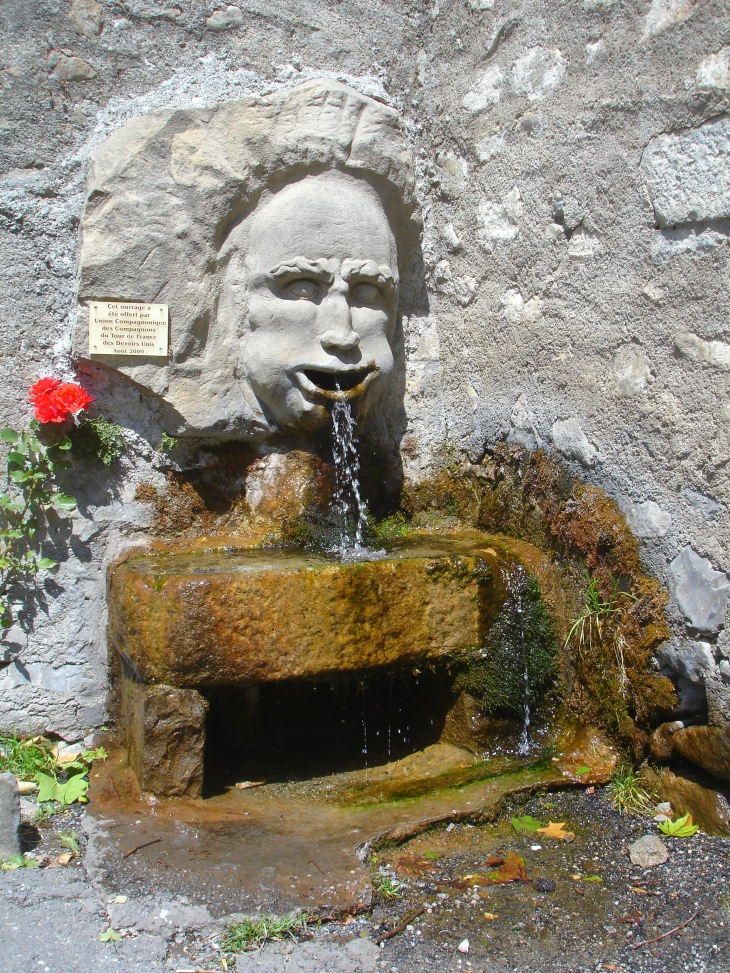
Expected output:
{"points": [[188, 625], [248, 616]]}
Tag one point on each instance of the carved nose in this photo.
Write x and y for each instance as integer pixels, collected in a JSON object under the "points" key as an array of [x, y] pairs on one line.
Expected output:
{"points": [[343, 340]]}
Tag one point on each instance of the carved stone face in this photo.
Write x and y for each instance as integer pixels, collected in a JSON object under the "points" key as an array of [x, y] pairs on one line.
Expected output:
{"points": [[321, 268]]}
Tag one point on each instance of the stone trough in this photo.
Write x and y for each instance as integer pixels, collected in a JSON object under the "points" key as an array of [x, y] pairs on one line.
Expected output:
{"points": [[182, 624]]}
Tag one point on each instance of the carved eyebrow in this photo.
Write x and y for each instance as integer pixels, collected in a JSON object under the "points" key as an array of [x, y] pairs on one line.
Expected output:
{"points": [[300, 265], [368, 270]]}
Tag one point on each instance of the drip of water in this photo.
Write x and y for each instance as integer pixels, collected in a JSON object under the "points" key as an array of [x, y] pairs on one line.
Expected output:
{"points": [[515, 581], [348, 504]]}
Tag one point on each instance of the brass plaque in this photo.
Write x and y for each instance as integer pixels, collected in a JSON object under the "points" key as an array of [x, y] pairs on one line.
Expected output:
{"points": [[128, 329]]}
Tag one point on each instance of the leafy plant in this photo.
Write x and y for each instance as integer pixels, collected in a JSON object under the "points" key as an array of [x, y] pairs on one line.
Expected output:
{"points": [[683, 827], [254, 933], [31, 469], [628, 794], [167, 443], [74, 789], [70, 841], [387, 888], [596, 611], [25, 758], [19, 861], [98, 437]]}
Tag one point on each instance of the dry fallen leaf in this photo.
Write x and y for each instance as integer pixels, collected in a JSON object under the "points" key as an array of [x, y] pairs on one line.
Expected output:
{"points": [[415, 865], [490, 915], [245, 784], [556, 829], [119, 899], [65, 858]]}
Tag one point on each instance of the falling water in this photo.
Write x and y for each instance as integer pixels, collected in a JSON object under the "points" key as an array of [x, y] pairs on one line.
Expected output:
{"points": [[515, 581], [349, 506]]}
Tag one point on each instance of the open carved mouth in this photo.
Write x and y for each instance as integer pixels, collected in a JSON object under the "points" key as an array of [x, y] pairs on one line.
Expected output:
{"points": [[346, 384]]}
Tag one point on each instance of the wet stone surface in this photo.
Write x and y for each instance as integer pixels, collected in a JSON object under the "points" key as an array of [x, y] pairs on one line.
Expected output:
{"points": [[561, 920]]}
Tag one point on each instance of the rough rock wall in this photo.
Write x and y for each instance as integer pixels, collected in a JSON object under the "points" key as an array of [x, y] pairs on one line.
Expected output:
{"points": [[574, 173]]}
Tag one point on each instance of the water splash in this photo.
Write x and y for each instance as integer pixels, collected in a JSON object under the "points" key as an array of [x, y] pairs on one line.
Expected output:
{"points": [[515, 580], [349, 506]]}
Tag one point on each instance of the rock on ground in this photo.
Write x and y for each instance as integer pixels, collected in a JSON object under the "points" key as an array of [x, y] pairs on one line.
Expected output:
{"points": [[9, 816], [648, 852], [708, 746]]}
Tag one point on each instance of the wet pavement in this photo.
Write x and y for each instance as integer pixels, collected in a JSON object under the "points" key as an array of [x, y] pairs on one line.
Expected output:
{"points": [[580, 906]]}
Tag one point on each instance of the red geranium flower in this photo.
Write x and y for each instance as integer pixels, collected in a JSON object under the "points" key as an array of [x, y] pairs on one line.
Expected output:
{"points": [[53, 401]]}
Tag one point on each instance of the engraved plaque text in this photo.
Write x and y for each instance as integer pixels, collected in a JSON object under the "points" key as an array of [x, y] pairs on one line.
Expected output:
{"points": [[128, 329]]}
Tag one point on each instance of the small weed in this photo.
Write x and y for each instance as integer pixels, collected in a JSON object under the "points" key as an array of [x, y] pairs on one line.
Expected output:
{"points": [[25, 758], [110, 936], [167, 443], [628, 794], [254, 933], [98, 437], [725, 900], [595, 613], [387, 888], [70, 841], [19, 861]]}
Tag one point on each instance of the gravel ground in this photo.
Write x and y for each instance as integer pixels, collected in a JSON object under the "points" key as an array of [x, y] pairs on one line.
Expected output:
{"points": [[562, 919]]}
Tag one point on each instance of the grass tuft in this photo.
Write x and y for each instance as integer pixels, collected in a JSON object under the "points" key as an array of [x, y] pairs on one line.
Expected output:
{"points": [[255, 933], [387, 888], [628, 794], [25, 758]]}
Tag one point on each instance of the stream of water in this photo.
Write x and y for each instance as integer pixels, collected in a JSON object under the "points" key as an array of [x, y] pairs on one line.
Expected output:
{"points": [[349, 506]]}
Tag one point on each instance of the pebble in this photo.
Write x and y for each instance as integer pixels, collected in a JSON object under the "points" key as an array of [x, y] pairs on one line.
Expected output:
{"points": [[648, 852]]}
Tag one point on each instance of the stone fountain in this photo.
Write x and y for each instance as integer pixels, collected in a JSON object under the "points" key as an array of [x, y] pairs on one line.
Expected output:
{"points": [[282, 234]]}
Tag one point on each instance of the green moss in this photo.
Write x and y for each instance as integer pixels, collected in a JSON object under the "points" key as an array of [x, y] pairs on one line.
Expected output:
{"points": [[522, 639]]}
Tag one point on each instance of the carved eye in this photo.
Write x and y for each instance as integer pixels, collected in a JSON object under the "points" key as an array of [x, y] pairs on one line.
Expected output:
{"points": [[302, 288], [366, 293]]}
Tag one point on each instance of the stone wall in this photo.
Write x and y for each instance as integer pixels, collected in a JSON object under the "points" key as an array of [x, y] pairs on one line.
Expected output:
{"points": [[573, 168]]}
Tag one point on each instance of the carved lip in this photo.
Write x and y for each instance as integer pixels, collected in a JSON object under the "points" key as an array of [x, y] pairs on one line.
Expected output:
{"points": [[321, 384]]}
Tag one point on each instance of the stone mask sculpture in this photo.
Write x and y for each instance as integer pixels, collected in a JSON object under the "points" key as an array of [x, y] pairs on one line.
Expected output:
{"points": [[274, 228], [318, 263]]}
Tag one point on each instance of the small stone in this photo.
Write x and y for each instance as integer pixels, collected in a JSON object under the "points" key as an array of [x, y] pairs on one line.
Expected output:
{"points": [[708, 746], [73, 69], [87, 17], [26, 787], [224, 19], [648, 852], [700, 592], [660, 742], [572, 442], [544, 885], [9, 816], [463, 946], [664, 808]]}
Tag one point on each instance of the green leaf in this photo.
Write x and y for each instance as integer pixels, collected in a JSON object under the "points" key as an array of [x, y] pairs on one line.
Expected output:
{"points": [[64, 501], [583, 770], [683, 827], [45, 564], [16, 458], [592, 878], [8, 435], [526, 823], [110, 936], [48, 788], [75, 789]]}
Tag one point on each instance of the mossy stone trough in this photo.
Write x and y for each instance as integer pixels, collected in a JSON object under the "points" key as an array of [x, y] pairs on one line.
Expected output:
{"points": [[183, 621]]}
